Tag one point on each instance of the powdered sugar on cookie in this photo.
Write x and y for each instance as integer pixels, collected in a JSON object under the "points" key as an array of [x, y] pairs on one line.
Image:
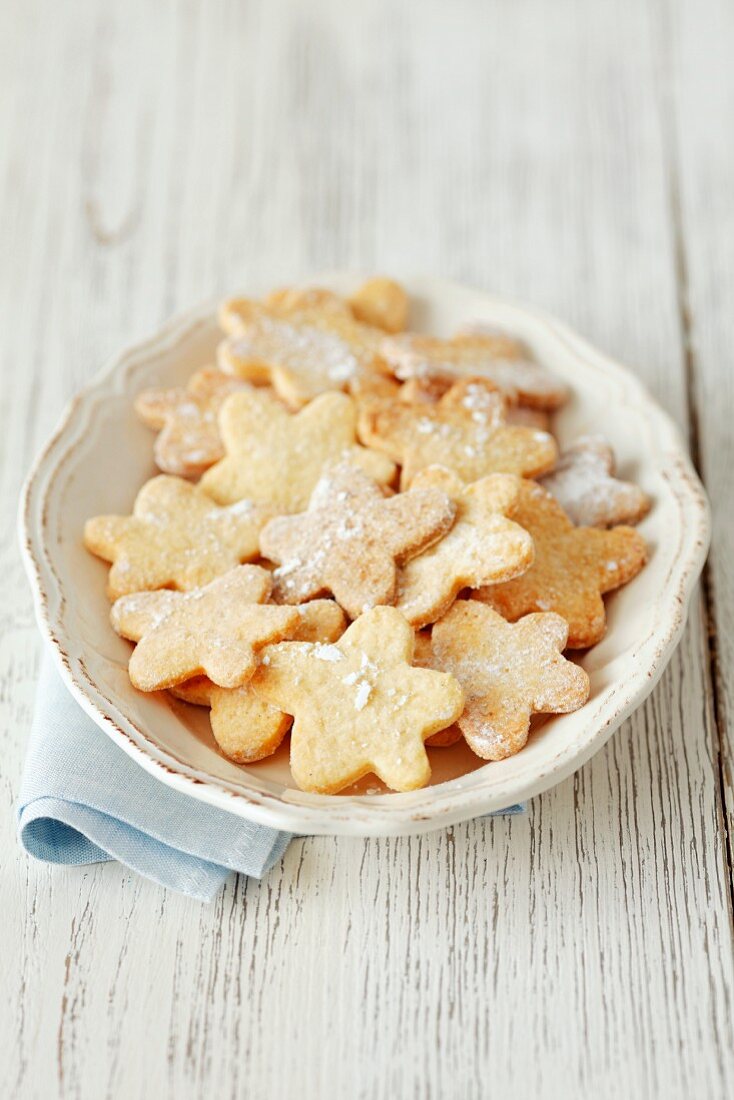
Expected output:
{"points": [[583, 483], [389, 470]]}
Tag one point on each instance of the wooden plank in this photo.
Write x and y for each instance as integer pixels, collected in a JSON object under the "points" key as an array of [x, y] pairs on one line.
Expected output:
{"points": [[700, 99], [176, 151]]}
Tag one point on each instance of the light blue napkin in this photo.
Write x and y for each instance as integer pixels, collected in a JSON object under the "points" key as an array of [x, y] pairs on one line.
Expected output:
{"points": [[84, 800]]}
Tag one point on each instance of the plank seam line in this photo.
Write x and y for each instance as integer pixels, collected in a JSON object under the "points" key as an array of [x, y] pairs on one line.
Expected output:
{"points": [[671, 157]]}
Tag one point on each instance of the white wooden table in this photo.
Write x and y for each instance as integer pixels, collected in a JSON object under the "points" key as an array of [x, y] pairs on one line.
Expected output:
{"points": [[575, 155]]}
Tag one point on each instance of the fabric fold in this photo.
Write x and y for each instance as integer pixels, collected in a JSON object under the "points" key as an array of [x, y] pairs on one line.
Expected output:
{"points": [[84, 800]]}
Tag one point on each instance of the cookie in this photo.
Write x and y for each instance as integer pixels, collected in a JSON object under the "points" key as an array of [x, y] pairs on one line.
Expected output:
{"points": [[244, 726], [382, 303], [495, 357], [529, 418], [175, 538], [358, 705], [379, 302], [528, 410], [234, 313], [423, 658], [186, 420], [483, 546], [371, 388], [444, 739], [351, 537], [216, 631], [196, 691], [320, 621], [295, 300], [573, 568], [584, 484], [509, 671], [302, 355], [425, 390], [275, 457], [465, 431]]}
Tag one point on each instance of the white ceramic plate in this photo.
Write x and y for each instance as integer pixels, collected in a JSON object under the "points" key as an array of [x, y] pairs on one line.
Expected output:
{"points": [[100, 455]]}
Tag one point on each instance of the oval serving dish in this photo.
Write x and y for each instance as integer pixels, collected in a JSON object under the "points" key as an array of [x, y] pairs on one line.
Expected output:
{"points": [[101, 454]]}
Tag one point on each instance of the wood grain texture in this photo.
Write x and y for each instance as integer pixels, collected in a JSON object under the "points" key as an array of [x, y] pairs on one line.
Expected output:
{"points": [[700, 83], [153, 154]]}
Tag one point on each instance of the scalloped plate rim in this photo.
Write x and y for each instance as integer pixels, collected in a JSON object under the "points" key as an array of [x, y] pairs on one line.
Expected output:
{"points": [[389, 814]]}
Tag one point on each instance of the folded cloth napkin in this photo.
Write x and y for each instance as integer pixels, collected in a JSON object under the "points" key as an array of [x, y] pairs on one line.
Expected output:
{"points": [[84, 800]]}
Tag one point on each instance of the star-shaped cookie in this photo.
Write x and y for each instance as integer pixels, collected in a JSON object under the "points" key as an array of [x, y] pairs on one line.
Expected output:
{"points": [[490, 355], [302, 354], [244, 726], [358, 705], [276, 457], [186, 420], [350, 539], [482, 547], [508, 671], [465, 430], [215, 631], [175, 538], [583, 483], [573, 568]]}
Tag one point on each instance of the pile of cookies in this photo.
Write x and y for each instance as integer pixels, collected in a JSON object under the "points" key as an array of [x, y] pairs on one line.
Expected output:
{"points": [[367, 538]]}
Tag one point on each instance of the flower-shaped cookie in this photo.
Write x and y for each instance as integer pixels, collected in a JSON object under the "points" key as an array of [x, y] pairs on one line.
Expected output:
{"points": [[277, 457], [175, 538], [302, 354], [244, 726], [493, 356], [508, 671], [573, 568], [215, 631], [465, 431], [482, 547], [583, 483], [350, 539], [186, 420], [358, 705]]}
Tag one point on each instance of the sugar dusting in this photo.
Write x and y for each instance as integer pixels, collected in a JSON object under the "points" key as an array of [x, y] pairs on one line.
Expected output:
{"points": [[582, 482], [413, 356], [303, 349], [363, 693], [324, 652]]}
